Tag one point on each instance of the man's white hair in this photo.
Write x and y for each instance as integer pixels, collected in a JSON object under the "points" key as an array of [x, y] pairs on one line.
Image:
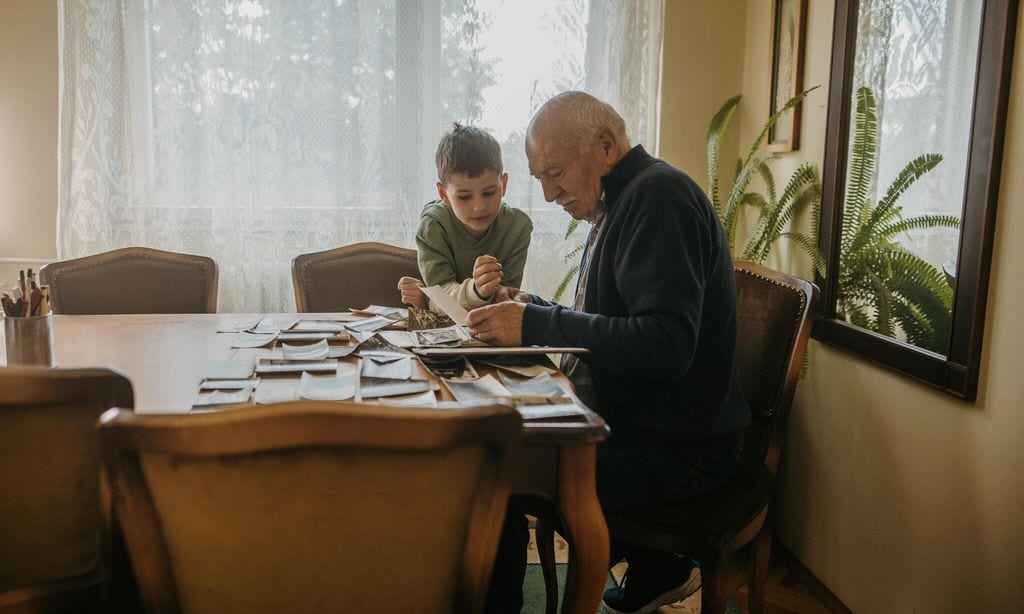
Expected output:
{"points": [[583, 115]]}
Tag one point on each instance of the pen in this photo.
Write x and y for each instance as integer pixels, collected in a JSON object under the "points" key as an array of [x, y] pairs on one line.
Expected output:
{"points": [[44, 300], [37, 295], [23, 291]]}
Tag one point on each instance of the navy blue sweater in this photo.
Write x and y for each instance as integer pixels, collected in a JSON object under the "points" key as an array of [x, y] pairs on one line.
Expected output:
{"points": [[659, 315]]}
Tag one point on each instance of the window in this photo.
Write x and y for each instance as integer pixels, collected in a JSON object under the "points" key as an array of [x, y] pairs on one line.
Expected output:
{"points": [[255, 130]]}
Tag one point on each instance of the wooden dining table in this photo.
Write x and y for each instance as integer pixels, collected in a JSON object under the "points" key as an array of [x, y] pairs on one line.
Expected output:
{"points": [[164, 355]]}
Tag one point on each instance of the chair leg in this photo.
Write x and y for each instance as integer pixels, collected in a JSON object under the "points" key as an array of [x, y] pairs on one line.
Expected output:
{"points": [[759, 558], [714, 588], [544, 533]]}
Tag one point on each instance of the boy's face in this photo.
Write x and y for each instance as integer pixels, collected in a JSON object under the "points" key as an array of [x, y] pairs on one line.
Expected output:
{"points": [[475, 200]]}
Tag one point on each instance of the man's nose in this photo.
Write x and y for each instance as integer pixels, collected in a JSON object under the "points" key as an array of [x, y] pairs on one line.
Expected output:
{"points": [[551, 190]]}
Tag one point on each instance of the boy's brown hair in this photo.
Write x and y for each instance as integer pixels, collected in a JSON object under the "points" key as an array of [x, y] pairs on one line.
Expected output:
{"points": [[467, 150]]}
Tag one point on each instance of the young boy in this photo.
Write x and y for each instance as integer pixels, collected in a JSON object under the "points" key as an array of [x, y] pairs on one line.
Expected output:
{"points": [[469, 241]]}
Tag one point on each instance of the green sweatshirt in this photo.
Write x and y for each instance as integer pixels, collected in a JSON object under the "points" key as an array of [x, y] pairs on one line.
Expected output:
{"points": [[446, 251]]}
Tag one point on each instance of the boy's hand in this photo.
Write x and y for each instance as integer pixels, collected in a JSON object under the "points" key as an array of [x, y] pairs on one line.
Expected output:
{"points": [[508, 293], [411, 293], [498, 324], [486, 276]]}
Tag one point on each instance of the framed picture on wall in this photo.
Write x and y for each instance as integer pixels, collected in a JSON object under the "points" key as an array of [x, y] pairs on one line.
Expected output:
{"points": [[787, 54]]}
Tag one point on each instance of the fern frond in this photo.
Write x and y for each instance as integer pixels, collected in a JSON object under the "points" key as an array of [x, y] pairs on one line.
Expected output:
{"points": [[739, 188], [918, 223], [862, 157], [716, 131], [571, 228], [792, 102], [906, 178], [809, 246], [576, 251], [570, 275]]}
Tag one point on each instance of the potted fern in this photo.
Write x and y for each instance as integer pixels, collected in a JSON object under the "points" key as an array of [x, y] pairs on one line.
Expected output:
{"points": [[884, 287], [775, 210]]}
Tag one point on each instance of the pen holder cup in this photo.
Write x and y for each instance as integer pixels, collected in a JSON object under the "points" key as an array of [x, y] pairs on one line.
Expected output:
{"points": [[30, 340]]}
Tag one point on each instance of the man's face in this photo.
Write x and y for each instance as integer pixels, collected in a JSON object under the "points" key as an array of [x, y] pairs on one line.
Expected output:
{"points": [[474, 200], [568, 176]]}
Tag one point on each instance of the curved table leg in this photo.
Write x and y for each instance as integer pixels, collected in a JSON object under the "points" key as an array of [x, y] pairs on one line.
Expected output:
{"points": [[584, 522]]}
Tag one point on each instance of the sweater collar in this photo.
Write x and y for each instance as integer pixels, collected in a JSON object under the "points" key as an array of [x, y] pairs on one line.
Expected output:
{"points": [[624, 171]]}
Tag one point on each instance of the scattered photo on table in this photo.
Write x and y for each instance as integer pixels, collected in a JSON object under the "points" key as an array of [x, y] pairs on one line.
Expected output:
{"points": [[552, 410], [317, 326], [392, 313], [542, 385], [421, 399], [289, 335], [252, 340], [381, 349], [223, 397], [339, 386], [392, 369], [369, 324], [340, 351], [280, 365], [440, 337], [229, 384], [235, 326], [523, 366], [482, 389], [425, 319], [313, 351], [372, 387], [400, 338], [449, 367], [269, 325], [277, 391]]}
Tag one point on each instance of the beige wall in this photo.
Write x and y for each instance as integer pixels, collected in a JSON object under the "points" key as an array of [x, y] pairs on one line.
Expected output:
{"points": [[703, 67], [899, 497], [28, 131]]}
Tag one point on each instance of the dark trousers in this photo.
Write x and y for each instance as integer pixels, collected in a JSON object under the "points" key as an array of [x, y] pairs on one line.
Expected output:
{"points": [[634, 471]]}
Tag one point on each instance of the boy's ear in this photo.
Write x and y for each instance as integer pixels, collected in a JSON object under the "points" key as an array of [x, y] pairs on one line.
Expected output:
{"points": [[504, 183], [442, 193]]}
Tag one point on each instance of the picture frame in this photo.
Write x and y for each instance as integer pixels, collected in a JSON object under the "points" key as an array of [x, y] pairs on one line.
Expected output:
{"points": [[786, 54]]}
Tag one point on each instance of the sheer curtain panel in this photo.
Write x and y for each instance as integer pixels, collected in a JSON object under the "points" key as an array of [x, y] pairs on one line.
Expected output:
{"points": [[252, 131]]}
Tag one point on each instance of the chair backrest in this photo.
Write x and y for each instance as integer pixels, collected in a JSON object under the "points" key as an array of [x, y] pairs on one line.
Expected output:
{"points": [[353, 276], [132, 280], [313, 507], [774, 315], [54, 514]]}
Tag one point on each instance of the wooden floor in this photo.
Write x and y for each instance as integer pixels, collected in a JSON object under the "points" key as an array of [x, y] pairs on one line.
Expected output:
{"points": [[792, 589]]}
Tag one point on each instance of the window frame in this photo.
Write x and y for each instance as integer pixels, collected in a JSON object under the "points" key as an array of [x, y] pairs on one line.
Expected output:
{"points": [[957, 371]]}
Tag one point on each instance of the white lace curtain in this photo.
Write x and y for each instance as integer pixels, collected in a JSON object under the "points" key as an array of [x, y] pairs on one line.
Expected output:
{"points": [[252, 131], [919, 58]]}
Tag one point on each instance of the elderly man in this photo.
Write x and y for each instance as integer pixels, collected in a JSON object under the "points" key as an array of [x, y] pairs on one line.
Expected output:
{"points": [[656, 307]]}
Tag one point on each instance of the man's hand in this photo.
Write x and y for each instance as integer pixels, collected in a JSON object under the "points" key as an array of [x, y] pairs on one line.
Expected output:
{"points": [[486, 276], [508, 293], [411, 293], [498, 324]]}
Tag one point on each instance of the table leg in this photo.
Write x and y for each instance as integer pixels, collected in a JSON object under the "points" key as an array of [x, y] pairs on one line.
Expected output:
{"points": [[584, 521]]}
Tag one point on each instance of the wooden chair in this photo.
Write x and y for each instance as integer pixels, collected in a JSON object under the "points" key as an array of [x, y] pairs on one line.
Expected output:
{"points": [[55, 508], [313, 507], [132, 280], [774, 317], [353, 276]]}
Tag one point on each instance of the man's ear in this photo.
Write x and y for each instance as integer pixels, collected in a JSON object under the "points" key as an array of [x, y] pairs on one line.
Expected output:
{"points": [[442, 193], [504, 183], [609, 145]]}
